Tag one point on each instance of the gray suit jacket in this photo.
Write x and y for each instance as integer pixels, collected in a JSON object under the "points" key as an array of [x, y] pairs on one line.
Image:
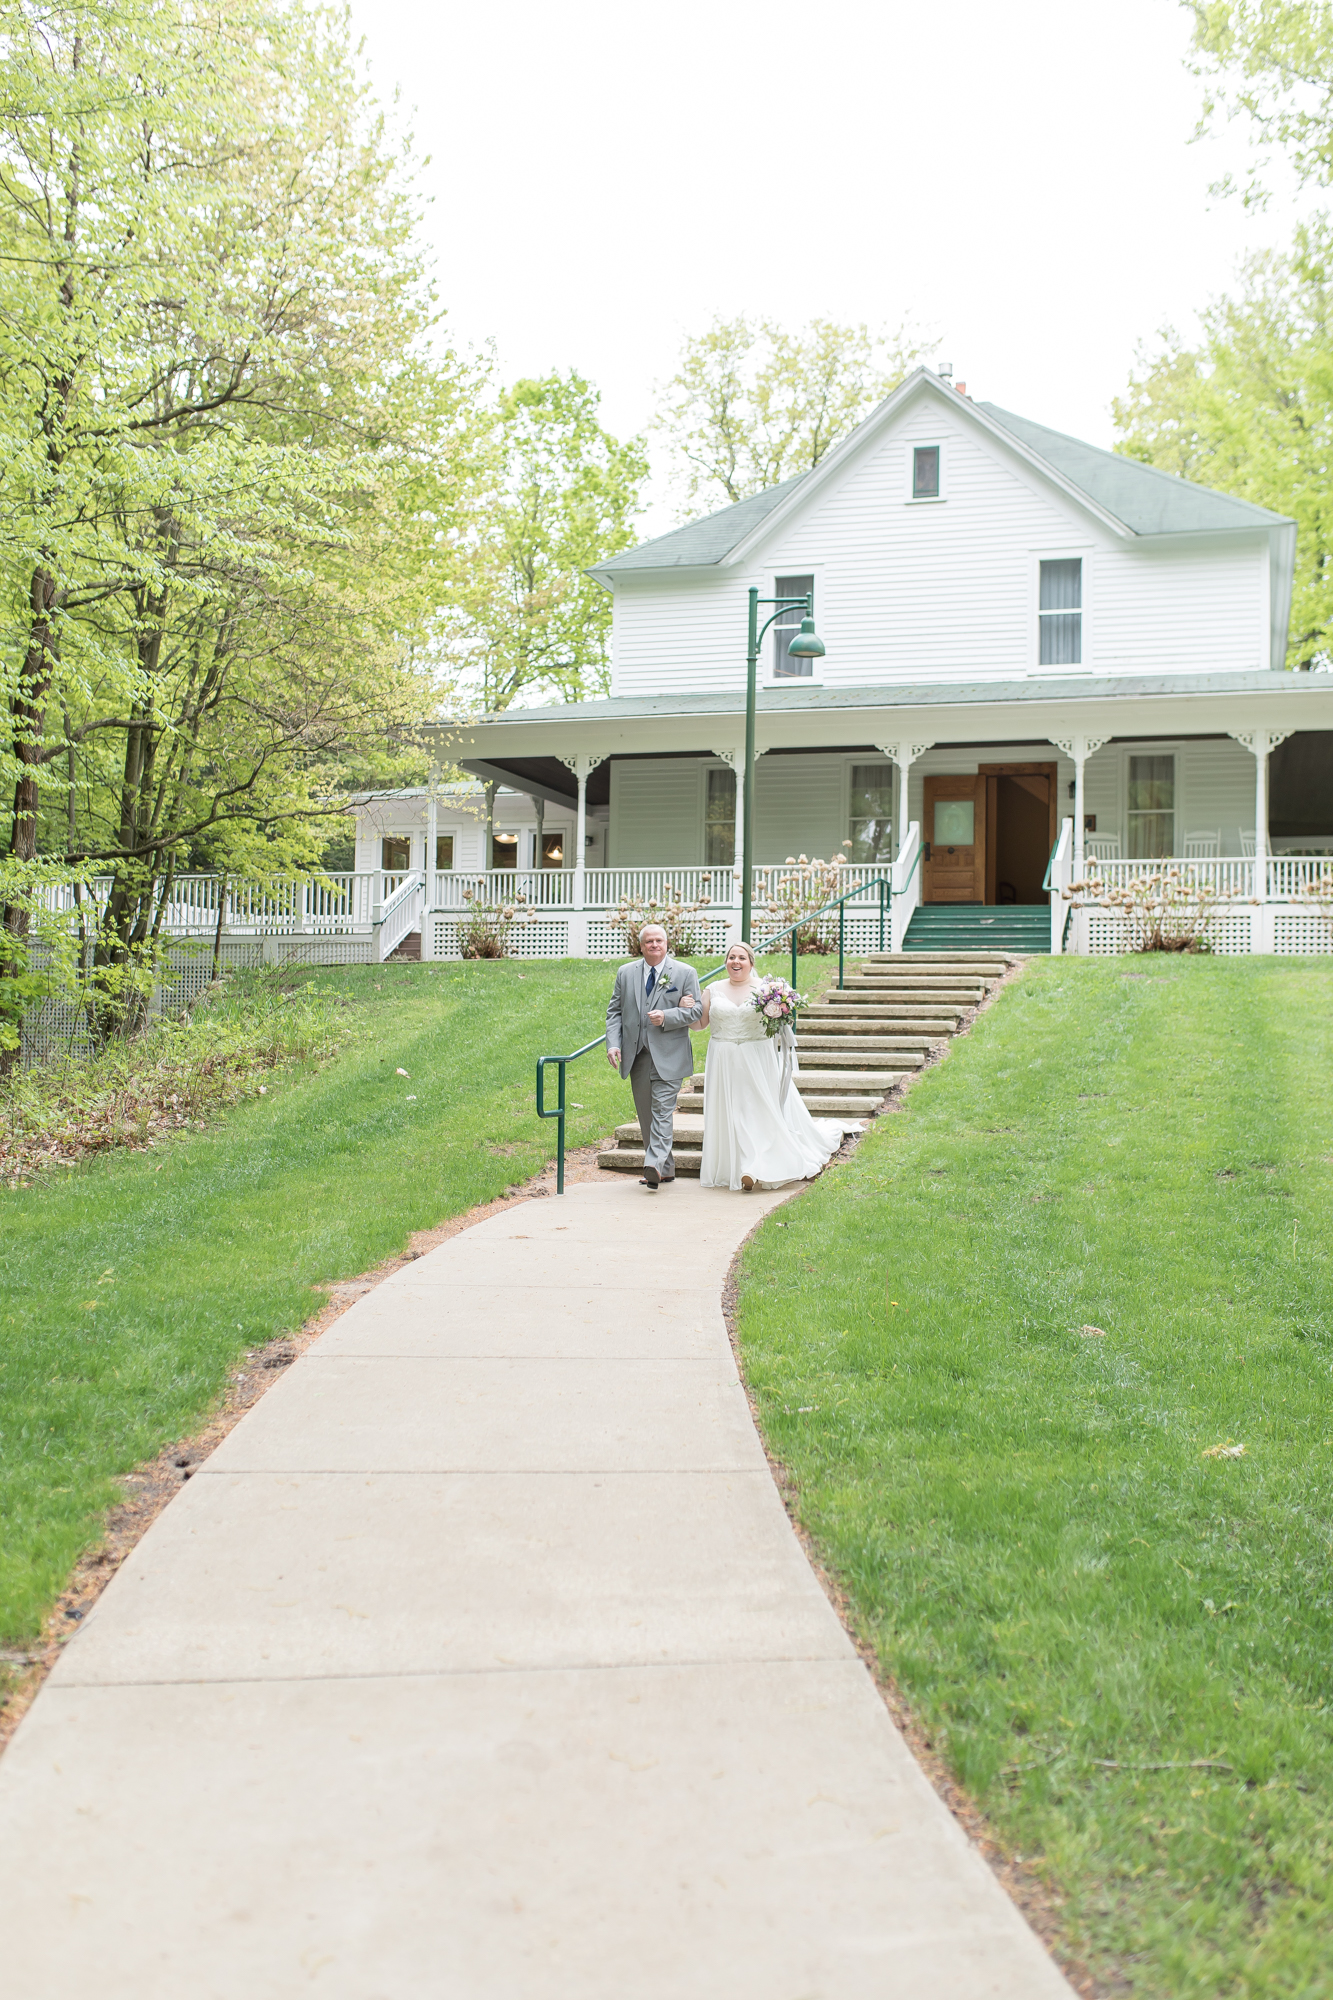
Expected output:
{"points": [[669, 1046]]}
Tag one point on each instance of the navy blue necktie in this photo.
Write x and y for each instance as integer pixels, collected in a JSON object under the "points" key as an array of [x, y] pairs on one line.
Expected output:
{"points": [[652, 980]]}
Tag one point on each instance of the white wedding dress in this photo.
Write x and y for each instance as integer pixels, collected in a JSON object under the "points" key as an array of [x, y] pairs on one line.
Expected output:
{"points": [[747, 1128]]}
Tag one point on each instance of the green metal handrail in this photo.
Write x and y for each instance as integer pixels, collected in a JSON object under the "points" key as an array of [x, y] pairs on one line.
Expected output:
{"points": [[882, 887], [1046, 878]]}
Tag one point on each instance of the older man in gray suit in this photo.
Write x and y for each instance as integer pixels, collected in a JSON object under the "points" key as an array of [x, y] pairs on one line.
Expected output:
{"points": [[648, 1041]]}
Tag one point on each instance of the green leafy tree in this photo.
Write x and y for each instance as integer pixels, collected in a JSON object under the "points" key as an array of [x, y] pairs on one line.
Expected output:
{"points": [[752, 404], [1249, 410], [1271, 61], [232, 476], [563, 494]]}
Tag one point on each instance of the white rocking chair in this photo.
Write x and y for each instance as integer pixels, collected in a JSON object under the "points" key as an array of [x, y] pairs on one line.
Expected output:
{"points": [[1101, 846], [1247, 845], [1202, 846]]}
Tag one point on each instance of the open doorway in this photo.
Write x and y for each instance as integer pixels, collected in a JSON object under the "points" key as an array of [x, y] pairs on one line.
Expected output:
{"points": [[1020, 826], [989, 835]]}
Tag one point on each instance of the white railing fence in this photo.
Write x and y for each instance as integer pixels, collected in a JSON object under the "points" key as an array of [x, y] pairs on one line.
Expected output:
{"points": [[399, 914], [1060, 875], [906, 884]]}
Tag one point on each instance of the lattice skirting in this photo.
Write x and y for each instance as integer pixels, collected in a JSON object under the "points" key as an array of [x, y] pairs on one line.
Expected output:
{"points": [[1229, 936], [547, 937], [1303, 936], [607, 940]]}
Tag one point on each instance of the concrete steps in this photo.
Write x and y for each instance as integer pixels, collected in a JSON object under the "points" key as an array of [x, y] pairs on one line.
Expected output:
{"points": [[853, 1045]]}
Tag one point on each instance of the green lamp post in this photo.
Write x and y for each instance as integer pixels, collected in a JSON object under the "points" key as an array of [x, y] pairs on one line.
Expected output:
{"points": [[807, 645]]}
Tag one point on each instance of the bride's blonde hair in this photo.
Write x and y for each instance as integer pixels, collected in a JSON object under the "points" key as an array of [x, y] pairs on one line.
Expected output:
{"points": [[741, 945]]}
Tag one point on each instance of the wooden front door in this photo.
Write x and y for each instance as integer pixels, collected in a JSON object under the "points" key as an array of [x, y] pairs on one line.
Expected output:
{"points": [[954, 868]]}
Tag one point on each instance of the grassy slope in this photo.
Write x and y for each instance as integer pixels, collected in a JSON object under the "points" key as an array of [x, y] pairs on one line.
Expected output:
{"points": [[128, 1286], [322, 1178], [1022, 1515]]}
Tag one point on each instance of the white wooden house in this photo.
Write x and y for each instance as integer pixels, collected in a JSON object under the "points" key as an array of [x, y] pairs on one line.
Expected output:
{"points": [[1024, 633]]}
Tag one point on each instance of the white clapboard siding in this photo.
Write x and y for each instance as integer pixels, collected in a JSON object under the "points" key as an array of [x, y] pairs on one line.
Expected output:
{"points": [[799, 807], [948, 590], [656, 813]]}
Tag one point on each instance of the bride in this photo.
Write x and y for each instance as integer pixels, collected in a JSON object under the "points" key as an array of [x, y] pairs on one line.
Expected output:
{"points": [[751, 1137]]}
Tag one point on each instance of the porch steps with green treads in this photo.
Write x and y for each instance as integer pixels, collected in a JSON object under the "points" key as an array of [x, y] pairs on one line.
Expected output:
{"points": [[854, 1044], [1020, 929]]}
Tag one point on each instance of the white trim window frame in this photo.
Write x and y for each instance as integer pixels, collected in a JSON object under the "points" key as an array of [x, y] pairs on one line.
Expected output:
{"points": [[707, 768], [917, 471], [857, 760], [1082, 555], [788, 624], [1152, 748]]}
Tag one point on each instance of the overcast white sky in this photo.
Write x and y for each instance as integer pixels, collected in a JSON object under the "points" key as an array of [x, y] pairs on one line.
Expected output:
{"points": [[1018, 179]]}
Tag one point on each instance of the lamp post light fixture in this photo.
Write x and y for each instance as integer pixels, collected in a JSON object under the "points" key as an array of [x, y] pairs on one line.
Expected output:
{"points": [[806, 645]]}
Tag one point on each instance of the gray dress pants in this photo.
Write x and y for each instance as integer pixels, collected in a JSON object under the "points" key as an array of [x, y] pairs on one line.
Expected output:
{"points": [[655, 1108]]}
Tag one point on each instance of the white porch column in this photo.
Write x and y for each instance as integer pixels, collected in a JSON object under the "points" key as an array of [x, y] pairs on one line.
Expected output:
{"points": [[1259, 742], [734, 759], [582, 766], [904, 755], [1080, 748], [432, 836]]}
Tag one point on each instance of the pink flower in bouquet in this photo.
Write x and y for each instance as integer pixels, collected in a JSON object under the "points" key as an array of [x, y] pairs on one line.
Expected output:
{"points": [[773, 1009]]}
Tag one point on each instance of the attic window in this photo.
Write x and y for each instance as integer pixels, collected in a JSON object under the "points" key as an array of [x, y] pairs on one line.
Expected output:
{"points": [[926, 472], [1060, 613]]}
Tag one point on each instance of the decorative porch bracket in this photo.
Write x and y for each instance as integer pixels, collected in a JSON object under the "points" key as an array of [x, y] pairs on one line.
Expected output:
{"points": [[904, 755], [582, 766], [1079, 748]]}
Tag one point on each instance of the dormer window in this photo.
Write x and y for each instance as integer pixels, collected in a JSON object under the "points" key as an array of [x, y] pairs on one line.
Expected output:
{"points": [[926, 472], [1060, 612]]}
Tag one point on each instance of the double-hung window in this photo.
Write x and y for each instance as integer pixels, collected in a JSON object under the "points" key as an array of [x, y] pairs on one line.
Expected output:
{"points": [[870, 813], [720, 818], [444, 850], [396, 853], [785, 668], [1060, 612], [1152, 808]]}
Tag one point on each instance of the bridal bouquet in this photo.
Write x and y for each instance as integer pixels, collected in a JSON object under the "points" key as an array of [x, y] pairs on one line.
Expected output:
{"points": [[776, 1003]]}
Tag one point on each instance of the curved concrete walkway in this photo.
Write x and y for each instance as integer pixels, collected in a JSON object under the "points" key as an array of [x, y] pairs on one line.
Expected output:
{"points": [[480, 1662]]}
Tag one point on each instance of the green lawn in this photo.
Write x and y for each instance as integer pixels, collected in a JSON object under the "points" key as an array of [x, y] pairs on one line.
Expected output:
{"points": [[1065, 1588], [130, 1284]]}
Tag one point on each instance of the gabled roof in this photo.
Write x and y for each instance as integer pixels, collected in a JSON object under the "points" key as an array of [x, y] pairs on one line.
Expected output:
{"points": [[706, 540], [1147, 500], [1130, 497]]}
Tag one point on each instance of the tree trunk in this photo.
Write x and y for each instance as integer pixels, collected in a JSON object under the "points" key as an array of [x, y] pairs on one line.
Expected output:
{"points": [[27, 711]]}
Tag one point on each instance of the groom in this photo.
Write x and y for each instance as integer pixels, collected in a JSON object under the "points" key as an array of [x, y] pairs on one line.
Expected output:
{"points": [[648, 1040]]}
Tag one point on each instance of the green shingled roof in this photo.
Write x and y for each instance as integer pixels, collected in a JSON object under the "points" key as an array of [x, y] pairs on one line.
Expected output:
{"points": [[703, 541], [1147, 501]]}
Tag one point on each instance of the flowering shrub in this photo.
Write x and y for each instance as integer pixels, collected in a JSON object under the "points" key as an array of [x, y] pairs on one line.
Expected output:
{"points": [[673, 913], [776, 1004], [1320, 899], [815, 885], [1167, 910], [484, 931]]}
